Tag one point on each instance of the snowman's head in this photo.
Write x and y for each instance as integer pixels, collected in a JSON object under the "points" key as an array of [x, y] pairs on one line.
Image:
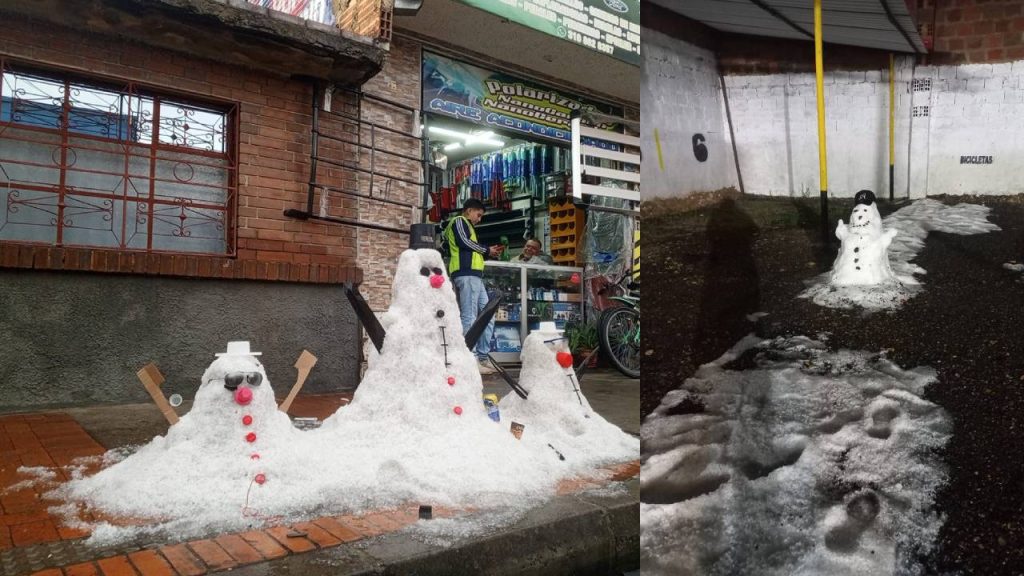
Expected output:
{"points": [[421, 280], [546, 347], [235, 378], [865, 219]]}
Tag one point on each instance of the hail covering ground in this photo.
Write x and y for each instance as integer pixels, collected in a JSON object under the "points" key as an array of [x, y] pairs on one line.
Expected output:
{"points": [[807, 462], [912, 224], [416, 431]]}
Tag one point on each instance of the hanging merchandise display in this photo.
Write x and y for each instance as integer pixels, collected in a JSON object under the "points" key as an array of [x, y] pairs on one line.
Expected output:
{"points": [[496, 177]]}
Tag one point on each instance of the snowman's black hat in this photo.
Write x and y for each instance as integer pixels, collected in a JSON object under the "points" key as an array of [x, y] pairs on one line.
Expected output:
{"points": [[866, 197]]}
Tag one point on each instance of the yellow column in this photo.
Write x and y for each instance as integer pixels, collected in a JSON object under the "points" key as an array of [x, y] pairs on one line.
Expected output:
{"points": [[822, 163]]}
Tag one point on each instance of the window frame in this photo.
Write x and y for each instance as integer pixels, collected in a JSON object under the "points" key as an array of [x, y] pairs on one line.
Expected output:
{"points": [[152, 152]]}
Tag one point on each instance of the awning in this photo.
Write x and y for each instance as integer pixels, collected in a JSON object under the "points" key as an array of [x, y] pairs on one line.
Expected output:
{"points": [[881, 24]]}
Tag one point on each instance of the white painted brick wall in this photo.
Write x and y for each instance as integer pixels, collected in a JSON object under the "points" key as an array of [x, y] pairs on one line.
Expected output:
{"points": [[681, 96], [775, 123], [981, 113], [972, 110]]}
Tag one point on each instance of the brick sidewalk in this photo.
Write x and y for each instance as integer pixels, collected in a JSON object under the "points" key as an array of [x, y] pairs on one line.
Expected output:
{"points": [[54, 439]]}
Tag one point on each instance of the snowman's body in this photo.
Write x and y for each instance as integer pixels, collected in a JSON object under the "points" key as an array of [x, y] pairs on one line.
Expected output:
{"points": [[221, 455], [556, 412], [863, 258], [423, 351]]}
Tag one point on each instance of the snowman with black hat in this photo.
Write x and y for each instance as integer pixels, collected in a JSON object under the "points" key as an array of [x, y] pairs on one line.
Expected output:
{"points": [[864, 254]]}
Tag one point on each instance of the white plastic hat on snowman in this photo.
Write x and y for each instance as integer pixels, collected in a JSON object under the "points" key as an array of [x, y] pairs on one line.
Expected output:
{"points": [[864, 254]]}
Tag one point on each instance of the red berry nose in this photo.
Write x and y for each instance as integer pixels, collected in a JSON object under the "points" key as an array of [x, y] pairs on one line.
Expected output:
{"points": [[243, 395], [437, 280], [564, 359], [458, 410], [451, 380]]}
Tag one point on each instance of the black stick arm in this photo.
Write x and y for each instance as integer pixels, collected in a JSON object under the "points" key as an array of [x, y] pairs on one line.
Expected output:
{"points": [[481, 322], [366, 316], [582, 368], [512, 382]]}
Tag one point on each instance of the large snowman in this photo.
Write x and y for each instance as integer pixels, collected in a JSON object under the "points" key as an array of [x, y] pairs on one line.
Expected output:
{"points": [[416, 428], [424, 370], [228, 456], [556, 412], [864, 255]]}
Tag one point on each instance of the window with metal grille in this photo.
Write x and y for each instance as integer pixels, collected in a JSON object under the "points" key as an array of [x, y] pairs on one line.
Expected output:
{"points": [[101, 164]]}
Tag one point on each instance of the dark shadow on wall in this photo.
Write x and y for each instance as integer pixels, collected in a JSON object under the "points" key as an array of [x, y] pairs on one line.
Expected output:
{"points": [[731, 289]]}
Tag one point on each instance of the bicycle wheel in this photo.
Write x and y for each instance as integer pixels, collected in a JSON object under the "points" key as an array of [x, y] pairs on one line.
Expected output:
{"points": [[619, 332]]}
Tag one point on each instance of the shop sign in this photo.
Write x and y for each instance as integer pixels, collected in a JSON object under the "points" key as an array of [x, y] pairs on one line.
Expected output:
{"points": [[608, 26], [501, 101]]}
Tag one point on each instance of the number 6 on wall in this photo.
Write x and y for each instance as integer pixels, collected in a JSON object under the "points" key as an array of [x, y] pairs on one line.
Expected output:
{"points": [[700, 151]]}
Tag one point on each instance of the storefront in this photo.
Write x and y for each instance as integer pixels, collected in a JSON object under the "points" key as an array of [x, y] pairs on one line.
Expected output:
{"points": [[506, 141]]}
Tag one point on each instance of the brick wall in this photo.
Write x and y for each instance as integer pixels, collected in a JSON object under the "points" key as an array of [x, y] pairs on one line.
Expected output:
{"points": [[399, 81], [273, 163], [362, 17], [972, 31]]}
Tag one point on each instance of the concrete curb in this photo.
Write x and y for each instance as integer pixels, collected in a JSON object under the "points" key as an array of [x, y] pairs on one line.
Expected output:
{"points": [[586, 533]]}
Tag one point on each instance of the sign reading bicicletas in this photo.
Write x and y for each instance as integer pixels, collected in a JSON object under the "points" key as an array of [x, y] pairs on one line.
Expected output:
{"points": [[608, 26], [501, 101]]}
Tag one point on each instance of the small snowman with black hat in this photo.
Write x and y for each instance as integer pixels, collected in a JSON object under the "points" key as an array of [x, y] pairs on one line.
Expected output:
{"points": [[864, 254]]}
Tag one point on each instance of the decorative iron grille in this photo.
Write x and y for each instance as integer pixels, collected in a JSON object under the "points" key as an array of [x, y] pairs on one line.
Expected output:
{"points": [[86, 162]]}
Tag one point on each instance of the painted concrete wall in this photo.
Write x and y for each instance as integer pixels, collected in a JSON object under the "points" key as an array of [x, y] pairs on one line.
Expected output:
{"points": [[776, 128], [79, 338], [942, 114], [680, 97], [973, 110]]}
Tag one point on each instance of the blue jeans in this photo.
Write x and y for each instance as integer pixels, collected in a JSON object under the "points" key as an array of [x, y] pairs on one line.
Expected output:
{"points": [[472, 299]]}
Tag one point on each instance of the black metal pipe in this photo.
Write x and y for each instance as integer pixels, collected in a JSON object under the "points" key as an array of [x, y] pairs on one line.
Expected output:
{"points": [[891, 182], [894, 22], [824, 218], [360, 145], [378, 126], [364, 170], [368, 196], [732, 135], [298, 214], [314, 141], [425, 162], [373, 155]]}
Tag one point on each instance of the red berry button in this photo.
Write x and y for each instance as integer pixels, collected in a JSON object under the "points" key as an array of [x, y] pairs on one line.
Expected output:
{"points": [[451, 380], [254, 457], [246, 419], [260, 479], [250, 437], [458, 410]]}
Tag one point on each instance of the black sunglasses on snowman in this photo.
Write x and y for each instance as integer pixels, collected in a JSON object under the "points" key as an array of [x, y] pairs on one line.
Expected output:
{"points": [[233, 380]]}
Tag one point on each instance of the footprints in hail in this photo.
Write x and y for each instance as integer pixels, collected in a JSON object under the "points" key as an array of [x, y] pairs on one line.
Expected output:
{"points": [[817, 452]]}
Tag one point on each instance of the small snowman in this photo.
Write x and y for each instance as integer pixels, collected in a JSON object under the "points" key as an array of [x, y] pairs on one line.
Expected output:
{"points": [[556, 412], [864, 255], [221, 457]]}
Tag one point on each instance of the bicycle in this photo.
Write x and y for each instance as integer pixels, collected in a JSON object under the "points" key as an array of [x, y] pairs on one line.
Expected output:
{"points": [[619, 329]]}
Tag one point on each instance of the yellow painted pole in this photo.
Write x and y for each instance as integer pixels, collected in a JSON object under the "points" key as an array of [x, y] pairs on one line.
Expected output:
{"points": [[892, 123], [822, 163]]}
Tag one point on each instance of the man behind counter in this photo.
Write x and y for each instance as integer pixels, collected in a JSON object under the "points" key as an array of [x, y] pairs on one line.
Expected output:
{"points": [[532, 253]]}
